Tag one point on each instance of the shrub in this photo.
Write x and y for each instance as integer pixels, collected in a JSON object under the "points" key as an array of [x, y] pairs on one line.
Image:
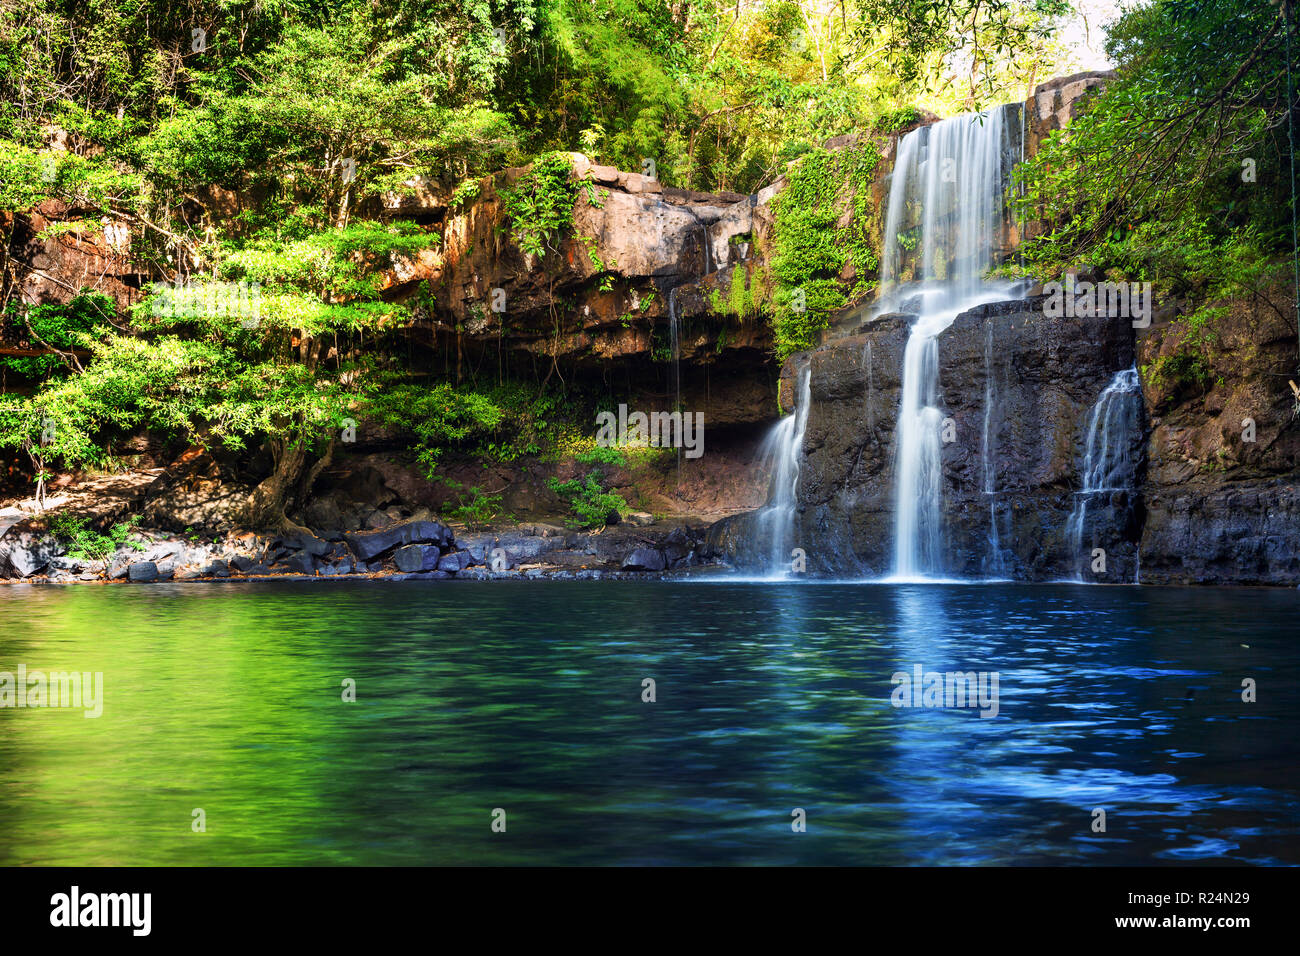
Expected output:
{"points": [[588, 499], [86, 544]]}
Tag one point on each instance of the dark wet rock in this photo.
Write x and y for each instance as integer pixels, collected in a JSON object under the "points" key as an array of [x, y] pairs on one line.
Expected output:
{"points": [[243, 563], [300, 562], [677, 548], [416, 557], [303, 541], [516, 546], [1242, 533], [338, 566], [370, 544], [455, 562], [645, 559], [1043, 376], [143, 571]]}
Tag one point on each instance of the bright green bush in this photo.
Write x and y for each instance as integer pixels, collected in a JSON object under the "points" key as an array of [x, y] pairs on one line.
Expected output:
{"points": [[588, 499]]}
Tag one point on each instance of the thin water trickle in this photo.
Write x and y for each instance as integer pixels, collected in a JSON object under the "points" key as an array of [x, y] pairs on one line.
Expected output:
{"points": [[782, 454], [996, 565], [1107, 465], [674, 336]]}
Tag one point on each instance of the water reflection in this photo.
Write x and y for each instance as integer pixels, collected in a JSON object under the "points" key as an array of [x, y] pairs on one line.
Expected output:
{"points": [[527, 696]]}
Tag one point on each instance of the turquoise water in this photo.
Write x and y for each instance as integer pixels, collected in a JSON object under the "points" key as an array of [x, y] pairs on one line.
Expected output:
{"points": [[527, 697]]}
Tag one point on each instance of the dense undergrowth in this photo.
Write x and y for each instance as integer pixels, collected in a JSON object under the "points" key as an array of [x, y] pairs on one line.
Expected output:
{"points": [[148, 114]]}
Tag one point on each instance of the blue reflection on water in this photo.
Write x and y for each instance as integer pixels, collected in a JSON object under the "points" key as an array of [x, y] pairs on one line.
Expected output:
{"points": [[527, 696]]}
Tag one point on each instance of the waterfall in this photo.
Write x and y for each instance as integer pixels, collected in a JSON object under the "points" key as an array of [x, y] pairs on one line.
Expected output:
{"points": [[952, 171], [782, 452], [870, 410], [674, 336], [1107, 466], [996, 563]]}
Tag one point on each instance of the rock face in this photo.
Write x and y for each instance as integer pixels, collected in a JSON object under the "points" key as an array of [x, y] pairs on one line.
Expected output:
{"points": [[633, 242], [1223, 508], [1200, 501], [1017, 387]]}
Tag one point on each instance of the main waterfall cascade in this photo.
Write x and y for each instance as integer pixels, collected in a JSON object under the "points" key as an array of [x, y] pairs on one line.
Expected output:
{"points": [[781, 453], [945, 228], [952, 171]]}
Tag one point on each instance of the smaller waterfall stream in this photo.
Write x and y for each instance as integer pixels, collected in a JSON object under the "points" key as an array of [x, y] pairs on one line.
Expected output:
{"points": [[782, 453], [674, 336], [996, 563], [1107, 465]]}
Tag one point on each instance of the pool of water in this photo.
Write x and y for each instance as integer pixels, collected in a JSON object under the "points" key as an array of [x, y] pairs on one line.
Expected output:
{"points": [[527, 697]]}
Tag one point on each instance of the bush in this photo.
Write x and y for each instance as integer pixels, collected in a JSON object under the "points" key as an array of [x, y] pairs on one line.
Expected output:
{"points": [[86, 544], [474, 509], [590, 502]]}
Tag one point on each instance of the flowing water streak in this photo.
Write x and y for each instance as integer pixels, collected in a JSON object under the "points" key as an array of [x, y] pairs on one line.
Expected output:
{"points": [[871, 389], [954, 170], [782, 453], [996, 565], [1107, 466], [675, 340]]}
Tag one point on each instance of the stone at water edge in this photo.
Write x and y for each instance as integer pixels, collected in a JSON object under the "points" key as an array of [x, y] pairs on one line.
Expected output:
{"points": [[142, 572], [645, 559], [300, 563], [455, 562], [417, 557], [25, 555], [368, 545], [303, 541]]}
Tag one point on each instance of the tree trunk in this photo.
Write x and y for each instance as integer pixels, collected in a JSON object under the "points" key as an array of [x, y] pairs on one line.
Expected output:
{"points": [[265, 508]]}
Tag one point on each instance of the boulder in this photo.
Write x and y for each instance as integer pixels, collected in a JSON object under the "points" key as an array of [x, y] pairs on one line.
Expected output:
{"points": [[215, 569], [455, 562], [644, 559], [416, 557], [300, 562], [25, 554], [303, 541], [368, 545], [143, 571], [338, 566]]}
